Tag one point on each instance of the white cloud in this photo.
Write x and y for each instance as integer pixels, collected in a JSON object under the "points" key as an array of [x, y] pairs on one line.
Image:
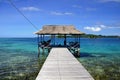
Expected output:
{"points": [[76, 6], [56, 13], [102, 26], [29, 9], [96, 28], [113, 27], [109, 0], [61, 13], [68, 13], [90, 9], [85, 8]]}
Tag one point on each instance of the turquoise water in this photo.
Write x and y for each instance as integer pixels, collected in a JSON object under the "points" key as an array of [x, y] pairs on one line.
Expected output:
{"points": [[17, 56], [99, 56], [101, 46]]}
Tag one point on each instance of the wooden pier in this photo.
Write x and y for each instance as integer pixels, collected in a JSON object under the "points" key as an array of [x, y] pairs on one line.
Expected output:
{"points": [[62, 65]]}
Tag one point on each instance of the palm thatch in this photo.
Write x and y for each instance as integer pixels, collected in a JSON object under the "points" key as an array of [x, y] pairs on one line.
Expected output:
{"points": [[59, 29]]}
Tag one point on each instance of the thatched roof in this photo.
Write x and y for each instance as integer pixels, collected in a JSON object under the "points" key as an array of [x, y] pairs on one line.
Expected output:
{"points": [[59, 29]]}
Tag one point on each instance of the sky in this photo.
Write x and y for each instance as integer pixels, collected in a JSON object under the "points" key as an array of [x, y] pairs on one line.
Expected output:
{"points": [[101, 17]]}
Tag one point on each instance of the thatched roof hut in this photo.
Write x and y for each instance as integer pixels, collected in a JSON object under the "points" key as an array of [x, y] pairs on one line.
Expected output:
{"points": [[58, 29]]}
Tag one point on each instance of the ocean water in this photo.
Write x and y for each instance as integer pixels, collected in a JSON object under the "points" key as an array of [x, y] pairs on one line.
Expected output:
{"points": [[101, 57], [18, 56]]}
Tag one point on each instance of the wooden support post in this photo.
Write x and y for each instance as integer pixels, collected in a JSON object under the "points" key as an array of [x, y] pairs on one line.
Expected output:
{"points": [[54, 39], [65, 40], [40, 38], [38, 51], [43, 38], [43, 51], [79, 46], [79, 39], [48, 49], [38, 47], [78, 52]]}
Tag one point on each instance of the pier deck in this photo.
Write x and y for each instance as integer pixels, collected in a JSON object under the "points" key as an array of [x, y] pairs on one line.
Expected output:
{"points": [[62, 65]]}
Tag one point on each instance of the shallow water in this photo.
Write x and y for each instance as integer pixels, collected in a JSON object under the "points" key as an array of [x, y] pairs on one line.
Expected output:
{"points": [[101, 57], [18, 56]]}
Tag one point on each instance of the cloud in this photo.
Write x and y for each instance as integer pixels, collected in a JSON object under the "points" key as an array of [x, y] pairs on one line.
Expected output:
{"points": [[76, 6], [84, 8], [30, 8], [96, 28], [113, 27], [61, 13], [102, 26], [109, 0], [56, 13], [90, 9], [68, 13]]}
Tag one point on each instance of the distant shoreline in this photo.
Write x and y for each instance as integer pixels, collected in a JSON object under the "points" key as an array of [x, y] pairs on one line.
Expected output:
{"points": [[99, 36], [82, 36], [91, 36]]}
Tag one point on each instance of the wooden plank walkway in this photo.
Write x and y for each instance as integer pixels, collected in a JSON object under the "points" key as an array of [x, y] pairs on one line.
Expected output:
{"points": [[62, 65]]}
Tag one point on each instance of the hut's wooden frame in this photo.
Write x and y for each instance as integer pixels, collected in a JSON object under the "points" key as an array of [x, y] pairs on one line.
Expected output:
{"points": [[53, 30]]}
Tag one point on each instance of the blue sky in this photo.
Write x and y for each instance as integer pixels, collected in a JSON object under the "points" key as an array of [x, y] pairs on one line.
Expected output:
{"points": [[89, 16]]}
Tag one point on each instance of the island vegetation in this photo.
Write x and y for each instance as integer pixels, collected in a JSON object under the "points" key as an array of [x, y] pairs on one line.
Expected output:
{"points": [[91, 36], [99, 36]]}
